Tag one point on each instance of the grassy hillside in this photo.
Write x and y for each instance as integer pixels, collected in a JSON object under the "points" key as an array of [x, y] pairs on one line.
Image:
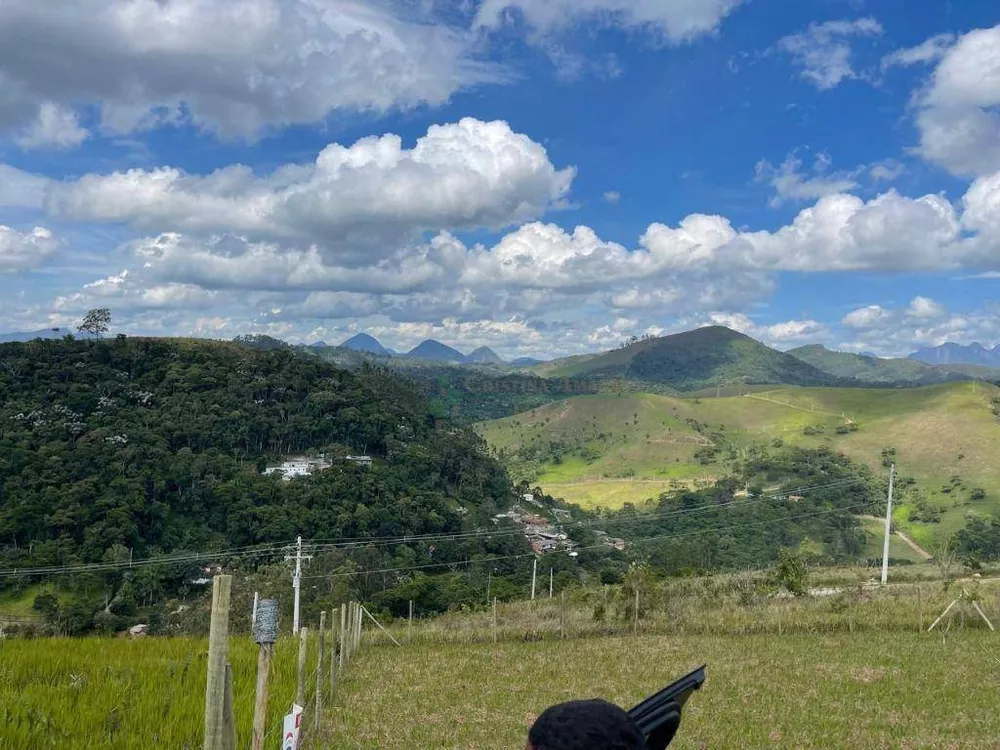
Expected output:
{"points": [[876, 371], [695, 359], [606, 450]]}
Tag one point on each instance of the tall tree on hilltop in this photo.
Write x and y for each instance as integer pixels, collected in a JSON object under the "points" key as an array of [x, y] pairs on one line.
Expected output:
{"points": [[96, 322]]}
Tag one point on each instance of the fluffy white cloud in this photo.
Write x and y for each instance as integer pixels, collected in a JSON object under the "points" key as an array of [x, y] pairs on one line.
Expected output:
{"points": [[924, 308], [785, 334], [55, 127], [933, 49], [958, 119], [23, 250], [790, 182], [823, 50], [676, 20], [370, 195], [865, 317], [613, 197], [924, 322], [839, 233], [230, 67]]}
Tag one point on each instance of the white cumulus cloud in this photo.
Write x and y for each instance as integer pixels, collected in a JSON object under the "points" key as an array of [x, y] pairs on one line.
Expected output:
{"points": [[790, 182], [22, 250], [371, 194], [823, 50], [54, 127], [232, 67], [958, 116]]}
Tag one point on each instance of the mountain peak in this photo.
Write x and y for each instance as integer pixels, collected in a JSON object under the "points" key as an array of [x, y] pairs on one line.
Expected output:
{"points": [[362, 342], [435, 351], [484, 355]]}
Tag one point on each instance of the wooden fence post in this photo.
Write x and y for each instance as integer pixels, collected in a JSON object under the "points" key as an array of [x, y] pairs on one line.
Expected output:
{"points": [[260, 699], [350, 631], [333, 648], [409, 624], [228, 720], [635, 624], [343, 634], [265, 633], [300, 694], [494, 619], [218, 649], [357, 631], [319, 668]]}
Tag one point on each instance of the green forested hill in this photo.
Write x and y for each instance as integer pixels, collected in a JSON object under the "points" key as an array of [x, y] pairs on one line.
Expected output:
{"points": [[154, 446], [708, 356]]}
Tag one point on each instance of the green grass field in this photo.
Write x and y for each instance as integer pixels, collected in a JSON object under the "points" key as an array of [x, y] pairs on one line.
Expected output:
{"points": [[77, 694], [938, 432], [873, 691]]}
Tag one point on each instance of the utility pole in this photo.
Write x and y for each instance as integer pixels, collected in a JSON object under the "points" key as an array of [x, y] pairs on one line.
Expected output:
{"points": [[888, 527], [297, 581], [534, 572]]}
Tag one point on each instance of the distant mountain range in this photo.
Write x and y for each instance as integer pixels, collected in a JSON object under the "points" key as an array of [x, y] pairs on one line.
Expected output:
{"points": [[706, 357], [869, 369], [429, 351], [957, 354], [45, 333]]}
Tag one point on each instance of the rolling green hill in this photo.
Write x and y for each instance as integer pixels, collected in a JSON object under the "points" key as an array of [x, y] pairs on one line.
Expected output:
{"points": [[607, 449], [877, 371], [709, 356]]}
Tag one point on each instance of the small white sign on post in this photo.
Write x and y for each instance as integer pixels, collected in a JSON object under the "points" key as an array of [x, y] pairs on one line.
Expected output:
{"points": [[293, 722]]}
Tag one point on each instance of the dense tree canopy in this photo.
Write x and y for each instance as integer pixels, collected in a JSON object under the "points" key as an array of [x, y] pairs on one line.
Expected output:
{"points": [[153, 446]]}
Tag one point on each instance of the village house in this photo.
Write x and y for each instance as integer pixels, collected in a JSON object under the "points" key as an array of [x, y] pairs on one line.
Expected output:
{"points": [[298, 466]]}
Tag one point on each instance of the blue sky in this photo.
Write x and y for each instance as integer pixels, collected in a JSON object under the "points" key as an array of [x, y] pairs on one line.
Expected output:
{"points": [[545, 177]]}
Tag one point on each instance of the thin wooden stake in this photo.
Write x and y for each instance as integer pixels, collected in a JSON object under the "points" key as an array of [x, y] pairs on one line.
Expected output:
{"points": [[983, 614], [409, 624], [228, 721], [635, 625], [920, 609], [218, 649], [562, 615], [260, 699], [319, 668], [947, 610], [300, 693], [494, 619], [365, 610]]}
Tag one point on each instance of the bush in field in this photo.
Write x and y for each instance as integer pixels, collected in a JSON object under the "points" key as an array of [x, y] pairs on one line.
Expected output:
{"points": [[790, 571]]}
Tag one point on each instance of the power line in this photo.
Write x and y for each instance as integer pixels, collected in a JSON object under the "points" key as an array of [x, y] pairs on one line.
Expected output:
{"points": [[658, 537], [348, 543]]}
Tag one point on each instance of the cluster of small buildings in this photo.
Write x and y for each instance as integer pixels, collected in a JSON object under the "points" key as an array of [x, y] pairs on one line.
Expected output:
{"points": [[303, 466], [546, 537]]}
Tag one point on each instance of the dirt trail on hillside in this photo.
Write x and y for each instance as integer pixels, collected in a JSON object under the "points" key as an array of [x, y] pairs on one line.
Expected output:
{"points": [[912, 544]]}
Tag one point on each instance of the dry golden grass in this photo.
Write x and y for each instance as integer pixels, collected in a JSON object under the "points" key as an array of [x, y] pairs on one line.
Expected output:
{"points": [[891, 690]]}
